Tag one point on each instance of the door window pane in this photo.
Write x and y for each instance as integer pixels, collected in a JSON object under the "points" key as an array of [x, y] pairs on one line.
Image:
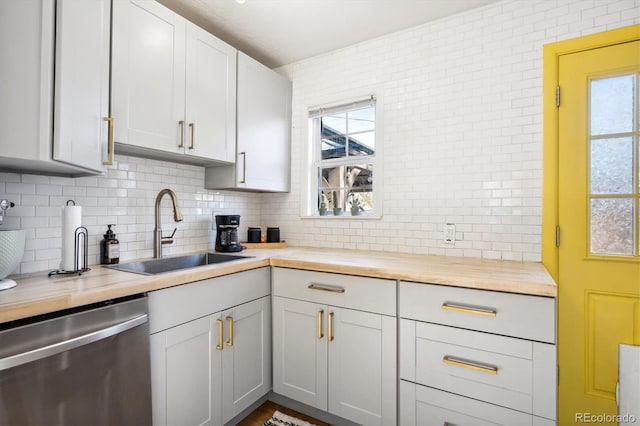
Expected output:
{"points": [[612, 166], [612, 105], [612, 226]]}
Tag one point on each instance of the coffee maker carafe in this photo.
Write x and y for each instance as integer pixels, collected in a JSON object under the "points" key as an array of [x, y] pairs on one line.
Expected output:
{"points": [[227, 233]]}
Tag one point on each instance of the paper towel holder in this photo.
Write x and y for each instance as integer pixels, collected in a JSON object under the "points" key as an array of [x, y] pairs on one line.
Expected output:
{"points": [[81, 237]]}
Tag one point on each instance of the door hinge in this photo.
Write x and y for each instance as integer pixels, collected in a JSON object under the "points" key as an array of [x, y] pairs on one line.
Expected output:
{"points": [[558, 96], [558, 236]]}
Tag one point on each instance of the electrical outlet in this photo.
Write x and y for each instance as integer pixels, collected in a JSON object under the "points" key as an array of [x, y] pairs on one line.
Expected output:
{"points": [[449, 236]]}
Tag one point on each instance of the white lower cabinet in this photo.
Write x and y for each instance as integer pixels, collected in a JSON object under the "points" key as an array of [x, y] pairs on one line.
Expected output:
{"points": [[184, 369], [207, 370], [246, 356], [330, 354], [456, 370], [425, 406]]}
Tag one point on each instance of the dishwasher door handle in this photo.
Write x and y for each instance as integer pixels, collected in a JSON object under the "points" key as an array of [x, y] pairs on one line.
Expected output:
{"points": [[76, 342]]}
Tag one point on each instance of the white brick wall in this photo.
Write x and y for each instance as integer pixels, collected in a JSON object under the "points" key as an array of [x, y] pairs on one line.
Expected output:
{"points": [[461, 128], [125, 196]]}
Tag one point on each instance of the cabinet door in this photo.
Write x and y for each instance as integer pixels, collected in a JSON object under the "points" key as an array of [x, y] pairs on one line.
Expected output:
{"points": [[148, 75], [185, 374], [300, 351], [362, 366], [81, 97], [211, 96], [264, 127], [26, 45], [246, 358]]}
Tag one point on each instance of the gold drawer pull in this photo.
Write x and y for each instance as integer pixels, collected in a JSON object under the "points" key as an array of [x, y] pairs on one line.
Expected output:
{"points": [[330, 327], [230, 341], [477, 366], [193, 135], [244, 167], [320, 314], [181, 124], [220, 338], [324, 287], [469, 309], [110, 143]]}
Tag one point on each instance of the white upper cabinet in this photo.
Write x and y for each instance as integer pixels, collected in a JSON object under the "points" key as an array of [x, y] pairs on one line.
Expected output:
{"points": [[263, 132], [173, 86], [211, 96], [81, 133], [53, 123]]}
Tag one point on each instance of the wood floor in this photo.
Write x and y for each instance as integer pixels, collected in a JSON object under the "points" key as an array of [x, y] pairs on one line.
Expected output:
{"points": [[266, 410]]}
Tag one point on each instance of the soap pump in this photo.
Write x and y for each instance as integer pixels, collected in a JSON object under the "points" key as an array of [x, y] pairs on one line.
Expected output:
{"points": [[109, 248]]}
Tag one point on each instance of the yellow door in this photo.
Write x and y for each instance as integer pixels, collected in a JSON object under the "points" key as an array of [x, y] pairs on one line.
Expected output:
{"points": [[599, 218]]}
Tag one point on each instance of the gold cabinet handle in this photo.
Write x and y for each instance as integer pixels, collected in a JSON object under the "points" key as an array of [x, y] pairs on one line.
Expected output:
{"points": [[220, 338], [319, 322], [181, 124], [230, 341], [193, 135], [324, 287], [330, 327], [244, 167], [472, 365], [489, 312], [110, 146]]}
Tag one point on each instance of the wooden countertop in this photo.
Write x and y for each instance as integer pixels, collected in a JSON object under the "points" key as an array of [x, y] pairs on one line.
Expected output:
{"points": [[38, 294]]}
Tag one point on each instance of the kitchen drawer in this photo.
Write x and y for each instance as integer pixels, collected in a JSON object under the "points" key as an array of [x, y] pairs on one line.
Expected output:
{"points": [[509, 314], [514, 373], [421, 405], [177, 305], [347, 291]]}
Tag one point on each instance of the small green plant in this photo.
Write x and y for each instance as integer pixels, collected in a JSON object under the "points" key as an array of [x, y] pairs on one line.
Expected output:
{"points": [[323, 209], [337, 211], [356, 203]]}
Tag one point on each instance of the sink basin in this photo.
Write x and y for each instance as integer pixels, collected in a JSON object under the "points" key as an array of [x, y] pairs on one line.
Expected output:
{"points": [[169, 264]]}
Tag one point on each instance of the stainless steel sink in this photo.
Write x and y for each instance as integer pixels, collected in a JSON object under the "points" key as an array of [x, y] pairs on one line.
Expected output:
{"points": [[169, 264]]}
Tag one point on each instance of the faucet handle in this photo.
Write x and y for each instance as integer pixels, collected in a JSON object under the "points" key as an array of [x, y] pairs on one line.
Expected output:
{"points": [[169, 239]]}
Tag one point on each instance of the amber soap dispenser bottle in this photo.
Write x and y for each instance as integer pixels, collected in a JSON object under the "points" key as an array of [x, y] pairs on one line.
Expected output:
{"points": [[109, 248]]}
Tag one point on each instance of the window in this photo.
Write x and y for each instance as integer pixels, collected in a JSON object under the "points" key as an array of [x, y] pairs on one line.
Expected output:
{"points": [[614, 161], [343, 142]]}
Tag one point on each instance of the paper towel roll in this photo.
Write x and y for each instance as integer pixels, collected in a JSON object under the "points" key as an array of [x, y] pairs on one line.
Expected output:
{"points": [[71, 220]]}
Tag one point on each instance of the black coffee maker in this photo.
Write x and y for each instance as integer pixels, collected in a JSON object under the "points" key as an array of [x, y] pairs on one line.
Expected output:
{"points": [[227, 233]]}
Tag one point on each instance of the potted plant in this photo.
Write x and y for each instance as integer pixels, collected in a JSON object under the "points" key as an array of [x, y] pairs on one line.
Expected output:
{"points": [[323, 209], [355, 205], [337, 211]]}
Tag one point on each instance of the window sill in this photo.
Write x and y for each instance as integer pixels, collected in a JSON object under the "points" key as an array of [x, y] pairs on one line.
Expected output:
{"points": [[343, 217]]}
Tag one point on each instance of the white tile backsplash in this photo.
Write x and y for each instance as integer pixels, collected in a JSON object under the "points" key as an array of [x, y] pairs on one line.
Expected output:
{"points": [[125, 196]]}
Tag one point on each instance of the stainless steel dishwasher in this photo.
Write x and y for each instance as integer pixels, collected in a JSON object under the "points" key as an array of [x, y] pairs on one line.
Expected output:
{"points": [[85, 366]]}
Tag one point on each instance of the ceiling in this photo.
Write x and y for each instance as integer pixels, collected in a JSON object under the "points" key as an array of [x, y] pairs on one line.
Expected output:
{"points": [[280, 32]]}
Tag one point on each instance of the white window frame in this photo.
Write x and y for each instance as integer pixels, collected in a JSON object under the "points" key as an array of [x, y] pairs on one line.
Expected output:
{"points": [[310, 201]]}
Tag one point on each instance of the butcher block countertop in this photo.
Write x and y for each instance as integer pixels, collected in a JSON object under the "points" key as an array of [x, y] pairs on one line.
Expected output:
{"points": [[38, 294]]}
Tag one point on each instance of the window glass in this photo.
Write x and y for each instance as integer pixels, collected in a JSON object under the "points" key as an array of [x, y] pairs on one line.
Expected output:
{"points": [[612, 105], [613, 163], [345, 146]]}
